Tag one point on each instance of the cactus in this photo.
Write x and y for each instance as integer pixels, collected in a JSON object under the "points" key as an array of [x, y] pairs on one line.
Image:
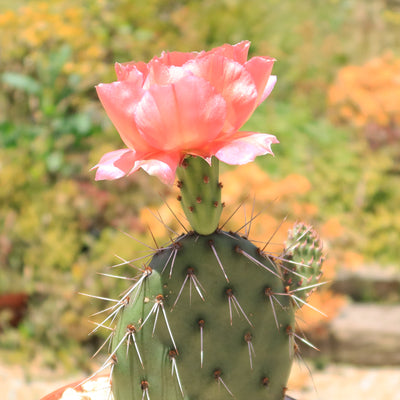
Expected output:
{"points": [[303, 260], [212, 316]]}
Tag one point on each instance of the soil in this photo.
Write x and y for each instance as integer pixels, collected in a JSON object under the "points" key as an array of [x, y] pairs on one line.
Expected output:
{"points": [[333, 382]]}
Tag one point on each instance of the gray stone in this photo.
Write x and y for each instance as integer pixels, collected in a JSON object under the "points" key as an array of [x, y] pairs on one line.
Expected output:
{"points": [[369, 283], [366, 334]]}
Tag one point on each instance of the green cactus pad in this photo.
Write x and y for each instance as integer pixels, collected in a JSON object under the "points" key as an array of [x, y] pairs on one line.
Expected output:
{"points": [[303, 260], [138, 357], [211, 321], [200, 193]]}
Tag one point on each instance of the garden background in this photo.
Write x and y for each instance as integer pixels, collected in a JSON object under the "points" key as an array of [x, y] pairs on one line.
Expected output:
{"points": [[335, 111]]}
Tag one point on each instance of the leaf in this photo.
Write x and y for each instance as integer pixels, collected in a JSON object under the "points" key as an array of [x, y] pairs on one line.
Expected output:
{"points": [[22, 82]]}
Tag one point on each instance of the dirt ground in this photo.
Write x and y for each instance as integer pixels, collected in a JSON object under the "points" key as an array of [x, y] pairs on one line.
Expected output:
{"points": [[335, 382]]}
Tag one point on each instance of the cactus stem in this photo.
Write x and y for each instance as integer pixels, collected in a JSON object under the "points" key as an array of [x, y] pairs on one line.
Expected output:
{"points": [[249, 338], [217, 376], [254, 261], [211, 243], [201, 326], [192, 280], [233, 300]]}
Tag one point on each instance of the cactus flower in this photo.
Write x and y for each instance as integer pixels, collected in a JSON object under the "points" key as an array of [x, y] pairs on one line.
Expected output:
{"points": [[182, 104]]}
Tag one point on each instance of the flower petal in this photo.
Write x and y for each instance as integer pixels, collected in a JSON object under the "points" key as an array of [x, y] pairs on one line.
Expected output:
{"points": [[119, 100], [164, 167], [246, 148], [237, 52], [233, 82], [129, 70], [260, 70], [183, 116], [161, 74], [268, 89], [176, 58], [115, 164]]}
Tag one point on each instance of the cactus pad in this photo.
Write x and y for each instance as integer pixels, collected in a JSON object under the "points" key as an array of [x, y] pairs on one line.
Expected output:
{"points": [[208, 319]]}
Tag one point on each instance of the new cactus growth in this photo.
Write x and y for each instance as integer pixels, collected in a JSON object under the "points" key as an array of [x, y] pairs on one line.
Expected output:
{"points": [[303, 260], [200, 193], [211, 316]]}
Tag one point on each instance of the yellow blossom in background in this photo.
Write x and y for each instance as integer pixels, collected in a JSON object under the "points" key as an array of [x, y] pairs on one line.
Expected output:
{"points": [[367, 94], [32, 32]]}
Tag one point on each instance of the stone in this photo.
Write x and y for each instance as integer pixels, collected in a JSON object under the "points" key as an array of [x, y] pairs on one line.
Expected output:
{"points": [[367, 334], [369, 283]]}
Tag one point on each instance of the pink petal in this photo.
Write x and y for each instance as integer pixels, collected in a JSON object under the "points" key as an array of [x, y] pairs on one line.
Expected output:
{"points": [[260, 70], [183, 116], [176, 58], [268, 89], [129, 70], [164, 168], [237, 52], [115, 164], [233, 82], [245, 149], [120, 100], [161, 74]]}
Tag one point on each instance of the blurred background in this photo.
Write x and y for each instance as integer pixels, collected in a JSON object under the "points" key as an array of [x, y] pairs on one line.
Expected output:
{"points": [[335, 111]]}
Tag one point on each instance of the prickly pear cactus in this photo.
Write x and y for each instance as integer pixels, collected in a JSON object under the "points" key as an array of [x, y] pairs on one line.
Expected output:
{"points": [[211, 316]]}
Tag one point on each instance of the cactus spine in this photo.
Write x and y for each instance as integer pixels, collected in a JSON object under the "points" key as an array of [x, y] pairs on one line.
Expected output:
{"points": [[211, 316]]}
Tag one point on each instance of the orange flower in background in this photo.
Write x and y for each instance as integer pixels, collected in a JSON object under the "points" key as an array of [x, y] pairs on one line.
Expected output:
{"points": [[186, 103]]}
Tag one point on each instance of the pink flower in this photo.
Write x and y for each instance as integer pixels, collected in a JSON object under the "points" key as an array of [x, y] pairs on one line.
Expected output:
{"points": [[186, 103]]}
